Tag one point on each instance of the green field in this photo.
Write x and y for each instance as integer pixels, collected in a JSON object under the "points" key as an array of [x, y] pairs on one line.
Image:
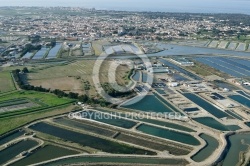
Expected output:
{"points": [[11, 102], [44, 98], [47, 105], [8, 124], [6, 83]]}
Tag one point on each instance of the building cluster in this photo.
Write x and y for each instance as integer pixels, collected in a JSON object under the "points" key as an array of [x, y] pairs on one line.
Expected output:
{"points": [[89, 24]]}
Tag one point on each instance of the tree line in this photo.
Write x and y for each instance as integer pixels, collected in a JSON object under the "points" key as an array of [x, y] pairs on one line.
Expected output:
{"points": [[17, 75]]}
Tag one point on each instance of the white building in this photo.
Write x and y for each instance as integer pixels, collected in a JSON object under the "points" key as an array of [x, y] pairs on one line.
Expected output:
{"points": [[182, 62], [246, 83], [173, 84], [158, 70]]}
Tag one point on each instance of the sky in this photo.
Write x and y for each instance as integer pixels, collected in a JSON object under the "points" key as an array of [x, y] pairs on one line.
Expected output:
{"points": [[196, 6]]}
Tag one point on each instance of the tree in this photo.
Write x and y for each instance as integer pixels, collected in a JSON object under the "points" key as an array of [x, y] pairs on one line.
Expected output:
{"points": [[17, 71], [83, 98], [25, 70], [73, 95]]}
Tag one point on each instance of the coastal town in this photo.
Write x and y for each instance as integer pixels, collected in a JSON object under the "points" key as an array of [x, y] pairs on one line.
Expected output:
{"points": [[82, 86]]}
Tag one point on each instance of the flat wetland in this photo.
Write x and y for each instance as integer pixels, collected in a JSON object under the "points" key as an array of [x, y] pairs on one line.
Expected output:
{"points": [[168, 134], [88, 140], [45, 153]]}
